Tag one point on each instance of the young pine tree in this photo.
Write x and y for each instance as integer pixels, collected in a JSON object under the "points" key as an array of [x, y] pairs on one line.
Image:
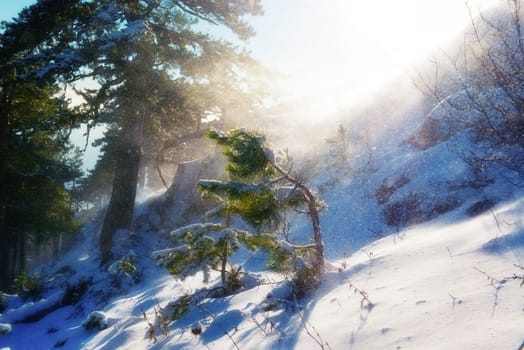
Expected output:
{"points": [[258, 190]]}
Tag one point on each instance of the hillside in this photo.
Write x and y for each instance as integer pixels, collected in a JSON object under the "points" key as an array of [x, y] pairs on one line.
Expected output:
{"points": [[446, 284], [422, 227], [450, 282]]}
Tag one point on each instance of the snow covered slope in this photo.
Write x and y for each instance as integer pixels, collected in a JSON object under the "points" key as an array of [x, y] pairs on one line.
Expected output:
{"points": [[452, 282], [439, 285]]}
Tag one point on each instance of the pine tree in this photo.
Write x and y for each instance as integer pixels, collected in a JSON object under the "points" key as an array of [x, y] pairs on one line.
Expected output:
{"points": [[257, 191], [36, 159], [249, 159], [208, 246], [39, 163], [157, 75]]}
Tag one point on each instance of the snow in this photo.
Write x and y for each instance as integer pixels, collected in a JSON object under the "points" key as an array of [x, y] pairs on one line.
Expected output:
{"points": [[445, 284], [5, 328], [451, 283], [95, 320], [454, 282], [31, 308]]}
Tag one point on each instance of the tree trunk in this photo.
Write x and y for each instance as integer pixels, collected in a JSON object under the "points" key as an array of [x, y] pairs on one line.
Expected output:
{"points": [[313, 215], [142, 175], [6, 242], [223, 267], [21, 248], [57, 247], [6, 276], [315, 222], [122, 203]]}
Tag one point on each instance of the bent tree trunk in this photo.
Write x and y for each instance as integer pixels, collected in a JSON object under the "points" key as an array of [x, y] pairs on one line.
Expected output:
{"points": [[122, 203], [314, 217]]}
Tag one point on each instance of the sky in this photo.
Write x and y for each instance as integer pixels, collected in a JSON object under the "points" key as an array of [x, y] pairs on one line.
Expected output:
{"points": [[349, 44], [10, 8], [352, 44], [331, 53]]}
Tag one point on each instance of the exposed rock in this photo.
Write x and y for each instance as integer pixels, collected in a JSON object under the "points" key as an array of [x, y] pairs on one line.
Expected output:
{"points": [[182, 201], [389, 187], [416, 209]]}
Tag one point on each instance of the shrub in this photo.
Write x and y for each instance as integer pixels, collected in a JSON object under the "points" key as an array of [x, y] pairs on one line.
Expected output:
{"points": [[28, 286], [126, 268], [389, 187], [417, 208], [480, 207], [178, 308], [296, 262], [95, 320], [75, 292]]}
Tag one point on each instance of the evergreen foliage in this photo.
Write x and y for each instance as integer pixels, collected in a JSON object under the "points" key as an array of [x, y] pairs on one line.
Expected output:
{"points": [[246, 159], [204, 246], [28, 286], [248, 156], [155, 73], [255, 203], [178, 308], [38, 166]]}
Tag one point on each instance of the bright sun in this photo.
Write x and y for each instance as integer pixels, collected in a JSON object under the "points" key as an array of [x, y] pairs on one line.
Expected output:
{"points": [[355, 43]]}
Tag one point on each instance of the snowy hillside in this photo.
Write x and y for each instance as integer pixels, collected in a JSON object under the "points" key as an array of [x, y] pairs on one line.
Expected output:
{"points": [[425, 252], [443, 285], [417, 183], [453, 282], [438, 286], [423, 232]]}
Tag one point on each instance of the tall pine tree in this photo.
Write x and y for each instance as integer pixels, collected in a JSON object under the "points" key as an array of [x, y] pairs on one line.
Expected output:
{"points": [[158, 75], [36, 159]]}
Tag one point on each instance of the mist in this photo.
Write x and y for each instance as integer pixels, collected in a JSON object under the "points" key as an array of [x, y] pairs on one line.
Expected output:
{"points": [[348, 62]]}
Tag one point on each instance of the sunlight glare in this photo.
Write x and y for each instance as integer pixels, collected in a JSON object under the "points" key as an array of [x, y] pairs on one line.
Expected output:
{"points": [[337, 49]]}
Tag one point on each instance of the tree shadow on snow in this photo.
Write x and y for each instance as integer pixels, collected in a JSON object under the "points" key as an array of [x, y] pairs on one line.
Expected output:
{"points": [[294, 320], [502, 244]]}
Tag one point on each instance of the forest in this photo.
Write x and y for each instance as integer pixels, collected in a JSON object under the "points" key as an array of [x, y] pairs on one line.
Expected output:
{"points": [[143, 72], [220, 215]]}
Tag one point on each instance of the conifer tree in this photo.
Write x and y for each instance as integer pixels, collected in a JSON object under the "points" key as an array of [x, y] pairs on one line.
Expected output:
{"points": [[258, 191], [249, 158], [36, 158], [157, 75]]}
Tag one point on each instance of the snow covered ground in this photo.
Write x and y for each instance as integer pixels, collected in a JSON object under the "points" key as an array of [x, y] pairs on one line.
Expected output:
{"points": [[454, 282], [446, 284]]}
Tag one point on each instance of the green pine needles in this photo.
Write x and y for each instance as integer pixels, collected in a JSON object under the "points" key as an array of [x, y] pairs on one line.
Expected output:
{"points": [[246, 158], [255, 203], [258, 191], [207, 246]]}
